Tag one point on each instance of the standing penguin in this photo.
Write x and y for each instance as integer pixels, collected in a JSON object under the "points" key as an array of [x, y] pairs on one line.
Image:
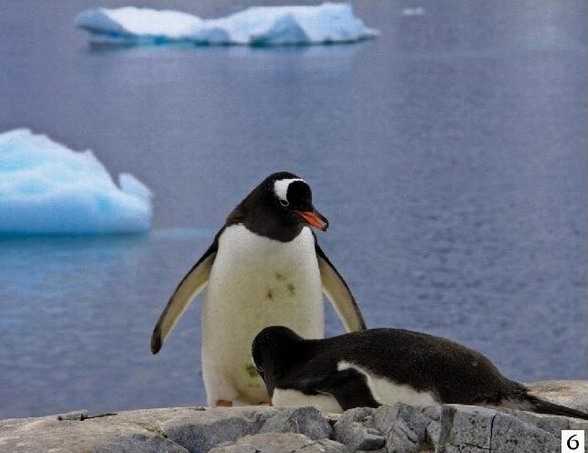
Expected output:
{"points": [[385, 366], [264, 267]]}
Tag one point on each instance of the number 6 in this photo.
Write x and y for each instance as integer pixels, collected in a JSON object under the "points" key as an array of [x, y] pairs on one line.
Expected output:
{"points": [[572, 443]]}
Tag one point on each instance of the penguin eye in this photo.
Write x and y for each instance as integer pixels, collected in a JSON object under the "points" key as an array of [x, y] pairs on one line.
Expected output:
{"points": [[284, 203]]}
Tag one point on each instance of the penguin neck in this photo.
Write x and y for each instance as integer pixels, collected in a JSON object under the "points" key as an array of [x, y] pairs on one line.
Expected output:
{"points": [[282, 359], [263, 222]]}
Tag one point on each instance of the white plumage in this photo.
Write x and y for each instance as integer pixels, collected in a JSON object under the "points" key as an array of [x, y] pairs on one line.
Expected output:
{"points": [[263, 268], [388, 392], [255, 282]]}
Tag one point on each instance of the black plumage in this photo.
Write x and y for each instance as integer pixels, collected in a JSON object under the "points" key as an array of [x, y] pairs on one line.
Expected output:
{"points": [[449, 372]]}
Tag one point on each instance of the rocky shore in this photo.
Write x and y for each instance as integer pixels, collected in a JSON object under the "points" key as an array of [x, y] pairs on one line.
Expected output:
{"points": [[400, 428]]}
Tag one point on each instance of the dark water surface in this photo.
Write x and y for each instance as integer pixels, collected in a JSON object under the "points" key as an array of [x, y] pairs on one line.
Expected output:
{"points": [[449, 156]]}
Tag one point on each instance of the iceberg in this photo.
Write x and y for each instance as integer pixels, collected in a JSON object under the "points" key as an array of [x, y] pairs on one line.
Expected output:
{"points": [[46, 188], [328, 23]]}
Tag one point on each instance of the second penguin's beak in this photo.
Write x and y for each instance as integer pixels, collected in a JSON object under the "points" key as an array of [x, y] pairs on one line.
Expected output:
{"points": [[315, 219]]}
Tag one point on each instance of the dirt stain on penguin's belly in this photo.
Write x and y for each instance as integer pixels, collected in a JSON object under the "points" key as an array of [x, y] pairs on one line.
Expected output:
{"points": [[257, 282]]}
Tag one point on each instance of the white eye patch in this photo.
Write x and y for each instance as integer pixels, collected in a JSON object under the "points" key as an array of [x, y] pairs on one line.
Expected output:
{"points": [[281, 188]]}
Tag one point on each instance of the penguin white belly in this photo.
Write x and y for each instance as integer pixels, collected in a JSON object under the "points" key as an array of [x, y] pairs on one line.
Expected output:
{"points": [[255, 282], [388, 392], [294, 398]]}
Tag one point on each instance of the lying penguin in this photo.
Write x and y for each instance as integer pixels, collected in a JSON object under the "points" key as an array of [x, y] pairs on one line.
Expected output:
{"points": [[384, 366], [264, 267]]}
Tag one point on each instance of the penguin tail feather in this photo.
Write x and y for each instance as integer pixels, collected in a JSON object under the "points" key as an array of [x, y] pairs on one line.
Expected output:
{"points": [[522, 400], [545, 407]]}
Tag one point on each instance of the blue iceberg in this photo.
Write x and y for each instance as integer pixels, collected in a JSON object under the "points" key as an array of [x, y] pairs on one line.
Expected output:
{"points": [[46, 188], [328, 23]]}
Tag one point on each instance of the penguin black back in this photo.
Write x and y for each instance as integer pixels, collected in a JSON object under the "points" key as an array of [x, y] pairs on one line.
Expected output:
{"points": [[381, 364]]}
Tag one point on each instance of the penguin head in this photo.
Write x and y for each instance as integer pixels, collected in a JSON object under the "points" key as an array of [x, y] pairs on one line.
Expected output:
{"points": [[271, 347], [294, 197], [278, 208]]}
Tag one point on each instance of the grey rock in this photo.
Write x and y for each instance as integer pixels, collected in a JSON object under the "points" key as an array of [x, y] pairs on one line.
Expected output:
{"points": [[46, 434], [280, 443], [434, 427], [472, 429], [356, 430], [406, 428], [551, 423], [465, 426], [302, 420], [74, 415], [212, 427], [199, 429], [400, 428]]}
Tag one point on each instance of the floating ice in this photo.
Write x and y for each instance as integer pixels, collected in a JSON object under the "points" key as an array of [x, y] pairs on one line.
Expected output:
{"points": [[256, 26], [417, 11], [46, 188]]}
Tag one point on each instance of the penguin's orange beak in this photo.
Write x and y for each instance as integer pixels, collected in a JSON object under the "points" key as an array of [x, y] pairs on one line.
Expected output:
{"points": [[315, 219]]}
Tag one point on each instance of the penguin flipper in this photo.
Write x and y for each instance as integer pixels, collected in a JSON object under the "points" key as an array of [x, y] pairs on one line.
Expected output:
{"points": [[190, 286], [349, 387], [339, 293]]}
